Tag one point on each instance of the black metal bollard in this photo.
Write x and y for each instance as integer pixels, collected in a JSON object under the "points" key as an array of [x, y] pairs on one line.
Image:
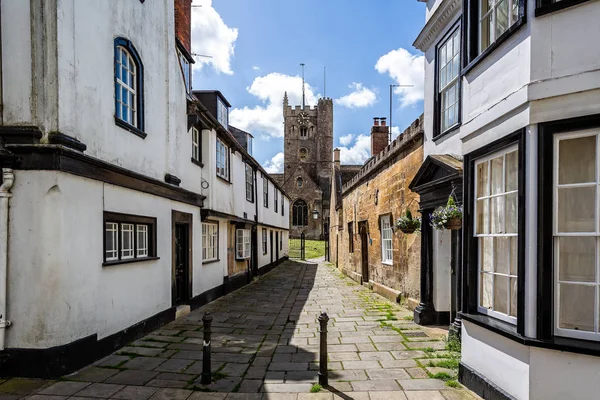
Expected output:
{"points": [[206, 372], [323, 374]]}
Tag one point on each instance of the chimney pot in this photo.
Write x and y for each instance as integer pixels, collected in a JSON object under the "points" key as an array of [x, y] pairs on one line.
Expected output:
{"points": [[383, 121], [376, 121]]}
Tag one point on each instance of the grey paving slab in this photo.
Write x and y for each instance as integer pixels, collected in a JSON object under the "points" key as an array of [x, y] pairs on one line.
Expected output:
{"points": [[112, 361], [388, 373], [376, 386], [144, 363], [45, 397], [140, 351], [171, 394], [132, 377], [93, 374], [174, 365], [397, 395], [361, 364], [135, 393], [286, 387], [103, 390], [64, 388], [207, 396], [167, 383], [422, 384], [424, 395]]}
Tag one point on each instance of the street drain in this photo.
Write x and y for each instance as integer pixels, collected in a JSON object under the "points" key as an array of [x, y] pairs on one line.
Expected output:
{"points": [[414, 334]]}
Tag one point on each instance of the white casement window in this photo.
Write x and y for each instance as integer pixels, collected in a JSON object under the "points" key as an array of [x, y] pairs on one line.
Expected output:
{"points": [[127, 243], [126, 86], [111, 241], [142, 240], [195, 144], [576, 234], [249, 183], [243, 245], [495, 18], [210, 241], [496, 228], [276, 197], [222, 113], [222, 160], [265, 191], [386, 239], [448, 81], [264, 241], [185, 70]]}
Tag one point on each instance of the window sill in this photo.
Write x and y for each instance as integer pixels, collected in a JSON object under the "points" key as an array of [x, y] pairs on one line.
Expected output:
{"points": [[204, 262], [494, 46], [447, 132], [550, 8], [509, 331], [224, 180], [250, 200], [130, 128], [390, 263], [128, 261], [198, 163]]}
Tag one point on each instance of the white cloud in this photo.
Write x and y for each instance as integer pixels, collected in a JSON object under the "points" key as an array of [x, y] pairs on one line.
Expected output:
{"points": [[255, 68], [212, 37], [268, 118], [360, 97], [357, 154], [347, 139], [395, 132], [275, 164], [405, 69]]}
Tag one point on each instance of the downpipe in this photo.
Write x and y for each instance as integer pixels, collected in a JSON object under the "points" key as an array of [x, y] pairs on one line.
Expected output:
{"points": [[8, 179]]}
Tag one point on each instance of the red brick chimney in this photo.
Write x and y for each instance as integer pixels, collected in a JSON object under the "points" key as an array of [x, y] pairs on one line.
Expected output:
{"points": [[379, 136], [183, 23]]}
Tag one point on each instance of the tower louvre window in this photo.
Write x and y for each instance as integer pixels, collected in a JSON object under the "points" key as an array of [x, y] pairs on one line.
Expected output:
{"points": [[303, 132], [302, 153]]}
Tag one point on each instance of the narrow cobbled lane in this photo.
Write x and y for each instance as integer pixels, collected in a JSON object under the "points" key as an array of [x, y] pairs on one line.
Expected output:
{"points": [[265, 345]]}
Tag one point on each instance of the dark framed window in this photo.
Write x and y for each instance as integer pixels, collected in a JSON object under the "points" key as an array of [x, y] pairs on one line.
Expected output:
{"points": [[488, 24], [196, 146], [265, 191], [303, 132], [128, 238], [351, 237], [222, 160], [282, 203], [448, 83], [222, 113], [494, 232], [299, 182], [129, 87], [249, 183], [300, 213], [281, 240], [264, 240], [549, 6], [569, 233], [276, 199]]}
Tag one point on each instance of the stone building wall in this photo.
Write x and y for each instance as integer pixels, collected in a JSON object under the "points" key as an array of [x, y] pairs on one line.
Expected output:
{"points": [[381, 187]]}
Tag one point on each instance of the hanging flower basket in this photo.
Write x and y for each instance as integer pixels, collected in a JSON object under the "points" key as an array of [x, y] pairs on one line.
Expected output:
{"points": [[447, 217], [407, 224]]}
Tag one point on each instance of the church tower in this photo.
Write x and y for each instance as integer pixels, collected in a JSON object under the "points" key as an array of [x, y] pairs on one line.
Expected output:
{"points": [[308, 160]]}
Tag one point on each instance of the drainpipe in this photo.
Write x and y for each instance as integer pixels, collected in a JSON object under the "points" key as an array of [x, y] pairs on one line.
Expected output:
{"points": [[8, 178]]}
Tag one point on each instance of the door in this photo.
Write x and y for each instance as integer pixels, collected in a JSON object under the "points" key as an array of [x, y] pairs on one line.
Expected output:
{"points": [[181, 285], [364, 252], [277, 246], [271, 240]]}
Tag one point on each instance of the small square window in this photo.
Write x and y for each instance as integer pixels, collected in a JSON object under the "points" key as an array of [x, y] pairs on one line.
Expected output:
{"points": [[128, 238]]}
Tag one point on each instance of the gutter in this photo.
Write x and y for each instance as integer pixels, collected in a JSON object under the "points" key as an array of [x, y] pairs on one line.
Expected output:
{"points": [[8, 179]]}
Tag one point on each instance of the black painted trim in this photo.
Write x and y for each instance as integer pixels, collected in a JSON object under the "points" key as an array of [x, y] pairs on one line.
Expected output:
{"points": [[129, 261], [139, 95], [437, 103], [470, 271], [481, 385], [65, 140], [470, 34], [198, 163], [58, 158], [172, 179], [119, 122], [60, 360], [544, 7], [206, 297], [120, 218], [545, 267], [20, 134]]}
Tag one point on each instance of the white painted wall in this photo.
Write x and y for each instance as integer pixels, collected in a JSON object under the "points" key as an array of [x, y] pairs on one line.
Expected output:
{"points": [[442, 270]]}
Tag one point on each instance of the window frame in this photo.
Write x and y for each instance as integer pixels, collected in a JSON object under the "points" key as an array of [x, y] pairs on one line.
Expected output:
{"points": [[265, 191], [213, 224], [437, 126], [249, 182], [138, 127], [470, 264], [470, 34], [128, 219], [264, 241], [276, 199], [222, 113], [282, 203], [225, 157], [544, 7], [548, 132], [305, 217], [351, 237], [246, 244], [196, 146], [384, 259]]}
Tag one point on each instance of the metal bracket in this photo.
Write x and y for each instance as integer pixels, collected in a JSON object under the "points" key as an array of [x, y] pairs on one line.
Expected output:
{"points": [[5, 323]]}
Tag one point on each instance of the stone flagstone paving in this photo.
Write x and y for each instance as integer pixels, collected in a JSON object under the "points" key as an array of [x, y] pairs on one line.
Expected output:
{"points": [[265, 345]]}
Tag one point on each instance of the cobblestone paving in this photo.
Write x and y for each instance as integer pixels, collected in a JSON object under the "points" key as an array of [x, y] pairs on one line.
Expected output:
{"points": [[265, 345]]}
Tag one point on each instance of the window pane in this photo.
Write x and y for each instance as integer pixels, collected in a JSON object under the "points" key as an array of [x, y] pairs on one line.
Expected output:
{"points": [[576, 307], [577, 209], [502, 22], [498, 214], [482, 180], [577, 160], [502, 254], [577, 259], [496, 175], [513, 297], [512, 169], [512, 213], [483, 215], [514, 255], [126, 241], [486, 254], [486, 26], [501, 294], [487, 290]]}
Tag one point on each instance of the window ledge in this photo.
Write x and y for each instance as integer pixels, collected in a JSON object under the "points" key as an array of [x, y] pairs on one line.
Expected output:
{"points": [[224, 180], [198, 163], [447, 132], [550, 8], [210, 261], [130, 128], [129, 261], [390, 263], [510, 332], [494, 46]]}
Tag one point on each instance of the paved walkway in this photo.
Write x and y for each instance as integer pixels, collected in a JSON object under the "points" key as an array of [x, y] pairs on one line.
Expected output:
{"points": [[265, 345]]}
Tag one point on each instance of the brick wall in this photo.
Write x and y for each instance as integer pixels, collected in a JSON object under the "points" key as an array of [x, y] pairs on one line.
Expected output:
{"points": [[183, 23]]}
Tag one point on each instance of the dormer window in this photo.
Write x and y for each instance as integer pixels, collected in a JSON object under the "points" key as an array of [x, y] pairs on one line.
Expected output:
{"points": [[222, 113], [249, 144]]}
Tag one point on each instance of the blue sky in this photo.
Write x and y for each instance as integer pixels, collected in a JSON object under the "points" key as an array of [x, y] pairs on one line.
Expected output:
{"points": [[257, 47]]}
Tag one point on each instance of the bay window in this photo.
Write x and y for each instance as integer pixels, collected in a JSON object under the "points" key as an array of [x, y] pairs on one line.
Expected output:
{"points": [[210, 241]]}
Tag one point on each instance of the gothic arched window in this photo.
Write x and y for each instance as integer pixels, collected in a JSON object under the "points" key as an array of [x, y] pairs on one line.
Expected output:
{"points": [[299, 182], [302, 153], [300, 213], [303, 132]]}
